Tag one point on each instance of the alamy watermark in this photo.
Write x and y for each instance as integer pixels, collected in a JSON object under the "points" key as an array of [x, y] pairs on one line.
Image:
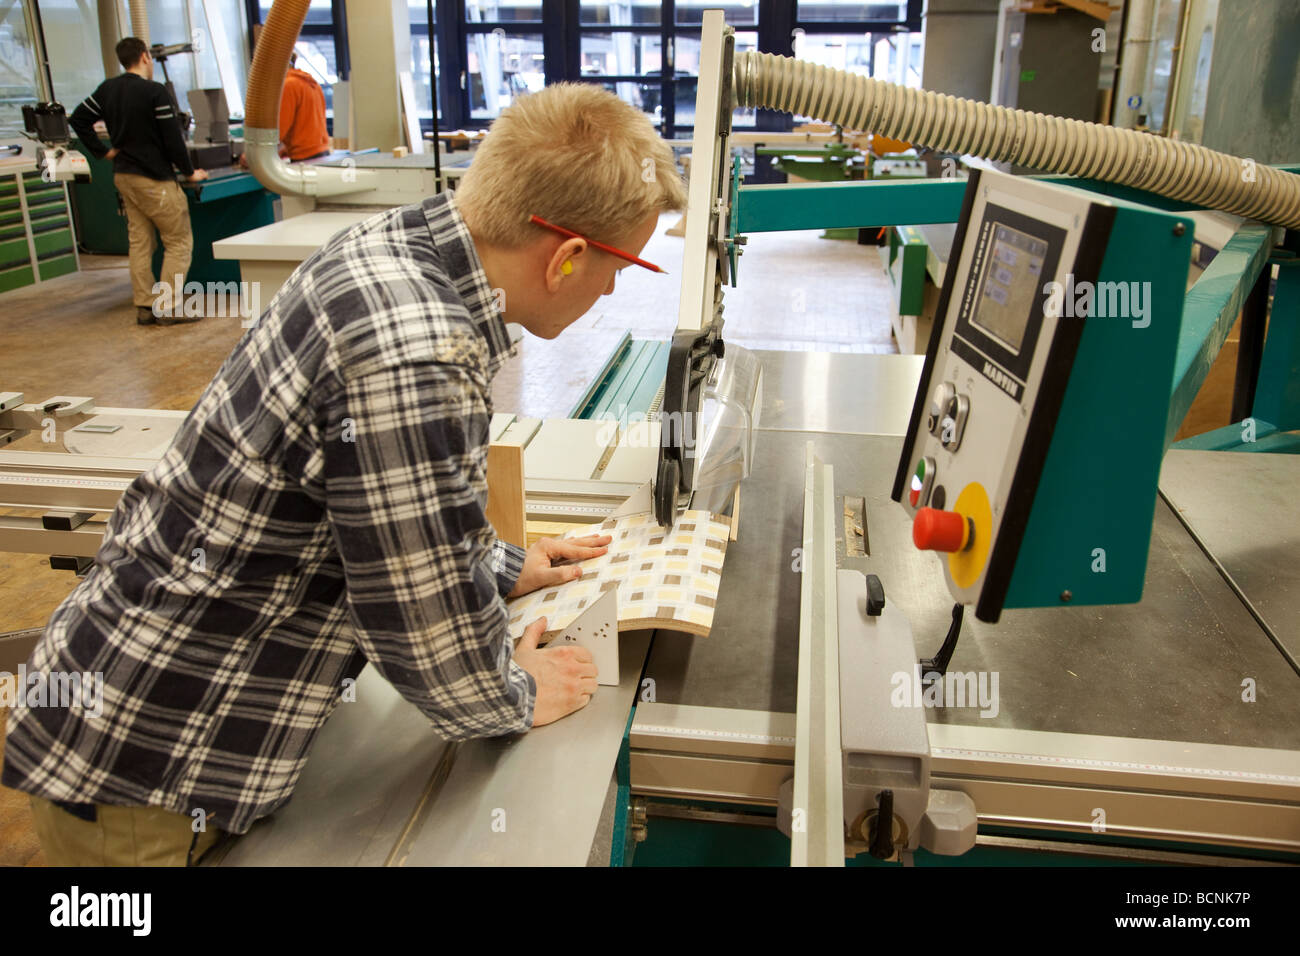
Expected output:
{"points": [[624, 426], [179, 298], [953, 689], [65, 689], [1099, 300], [127, 910]]}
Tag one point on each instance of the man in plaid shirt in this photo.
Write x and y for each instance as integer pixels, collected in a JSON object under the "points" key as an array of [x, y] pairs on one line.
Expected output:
{"points": [[323, 506]]}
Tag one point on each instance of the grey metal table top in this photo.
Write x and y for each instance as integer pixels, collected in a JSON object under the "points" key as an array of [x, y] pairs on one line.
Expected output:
{"points": [[534, 799], [1245, 510], [838, 392], [749, 658], [1170, 667], [367, 773], [381, 788]]}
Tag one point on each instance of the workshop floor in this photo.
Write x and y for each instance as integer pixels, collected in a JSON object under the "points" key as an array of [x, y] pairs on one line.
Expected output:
{"points": [[796, 292], [77, 336]]}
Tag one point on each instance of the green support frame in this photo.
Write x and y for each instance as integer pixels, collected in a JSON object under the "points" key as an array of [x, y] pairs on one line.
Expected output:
{"points": [[1277, 397], [1275, 414], [903, 258], [627, 383], [622, 845], [1208, 311]]}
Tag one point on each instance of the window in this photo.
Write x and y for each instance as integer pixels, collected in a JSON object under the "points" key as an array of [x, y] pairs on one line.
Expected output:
{"points": [[738, 12], [880, 40], [687, 63], [895, 57], [504, 54], [491, 11], [645, 51], [634, 46], [420, 68], [620, 13], [622, 54], [501, 66], [17, 71], [318, 58], [319, 13], [839, 11], [322, 45]]}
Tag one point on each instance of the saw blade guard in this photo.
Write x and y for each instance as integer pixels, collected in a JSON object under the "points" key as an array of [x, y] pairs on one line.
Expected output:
{"points": [[729, 417]]}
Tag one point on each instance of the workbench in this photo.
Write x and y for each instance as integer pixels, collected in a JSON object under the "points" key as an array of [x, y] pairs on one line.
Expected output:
{"points": [[228, 202], [270, 253]]}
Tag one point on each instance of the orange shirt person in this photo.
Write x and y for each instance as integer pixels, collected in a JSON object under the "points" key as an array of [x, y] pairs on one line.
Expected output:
{"points": [[303, 134]]}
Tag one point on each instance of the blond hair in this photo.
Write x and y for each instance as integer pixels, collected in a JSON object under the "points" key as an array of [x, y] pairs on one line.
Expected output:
{"points": [[575, 155]]}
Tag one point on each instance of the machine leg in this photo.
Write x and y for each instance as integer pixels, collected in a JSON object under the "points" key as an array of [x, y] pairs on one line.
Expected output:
{"points": [[1250, 351], [623, 845]]}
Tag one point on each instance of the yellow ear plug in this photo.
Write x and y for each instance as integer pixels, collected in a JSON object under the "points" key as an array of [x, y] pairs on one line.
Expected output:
{"points": [[567, 268]]}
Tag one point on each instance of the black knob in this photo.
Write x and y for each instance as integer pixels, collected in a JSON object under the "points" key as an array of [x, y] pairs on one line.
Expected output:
{"points": [[875, 596]]}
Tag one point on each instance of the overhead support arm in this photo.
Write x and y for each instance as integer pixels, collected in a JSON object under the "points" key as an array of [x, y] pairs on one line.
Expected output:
{"points": [[1210, 311]]}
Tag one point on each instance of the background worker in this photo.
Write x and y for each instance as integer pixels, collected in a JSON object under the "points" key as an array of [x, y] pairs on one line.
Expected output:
{"points": [[303, 133], [147, 149]]}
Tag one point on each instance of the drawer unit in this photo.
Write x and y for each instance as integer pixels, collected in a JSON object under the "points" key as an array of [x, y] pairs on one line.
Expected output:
{"points": [[37, 238]]}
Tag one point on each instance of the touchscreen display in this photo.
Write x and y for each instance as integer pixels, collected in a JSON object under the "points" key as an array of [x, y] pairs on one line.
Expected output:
{"points": [[1012, 285]]}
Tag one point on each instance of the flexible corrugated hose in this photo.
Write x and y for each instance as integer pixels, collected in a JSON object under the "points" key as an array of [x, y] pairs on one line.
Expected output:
{"points": [[1182, 171], [139, 21], [262, 114]]}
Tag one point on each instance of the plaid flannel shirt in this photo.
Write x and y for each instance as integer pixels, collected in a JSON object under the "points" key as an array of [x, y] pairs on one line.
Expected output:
{"points": [[321, 506]]}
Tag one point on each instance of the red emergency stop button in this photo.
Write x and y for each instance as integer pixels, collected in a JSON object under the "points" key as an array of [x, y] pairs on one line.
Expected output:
{"points": [[935, 530]]}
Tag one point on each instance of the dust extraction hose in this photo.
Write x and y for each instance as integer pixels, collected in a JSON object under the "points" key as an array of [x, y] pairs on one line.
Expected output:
{"points": [[262, 114], [139, 22], [1182, 171]]}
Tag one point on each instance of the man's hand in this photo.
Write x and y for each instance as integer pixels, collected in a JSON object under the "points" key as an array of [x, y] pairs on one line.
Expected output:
{"points": [[111, 153], [198, 175], [565, 676], [539, 564]]}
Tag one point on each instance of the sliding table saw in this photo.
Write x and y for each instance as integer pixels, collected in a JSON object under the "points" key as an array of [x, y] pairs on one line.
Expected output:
{"points": [[1125, 684]]}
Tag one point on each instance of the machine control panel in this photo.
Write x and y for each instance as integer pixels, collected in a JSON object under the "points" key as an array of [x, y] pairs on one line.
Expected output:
{"points": [[995, 374]]}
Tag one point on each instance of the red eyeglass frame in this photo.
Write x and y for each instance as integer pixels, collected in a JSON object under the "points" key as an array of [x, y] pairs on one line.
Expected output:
{"points": [[612, 250]]}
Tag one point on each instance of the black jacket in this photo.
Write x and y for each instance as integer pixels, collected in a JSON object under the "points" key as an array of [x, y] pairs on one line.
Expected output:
{"points": [[141, 124]]}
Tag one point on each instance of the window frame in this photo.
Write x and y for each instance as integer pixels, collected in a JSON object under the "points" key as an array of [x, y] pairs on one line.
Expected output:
{"points": [[562, 30]]}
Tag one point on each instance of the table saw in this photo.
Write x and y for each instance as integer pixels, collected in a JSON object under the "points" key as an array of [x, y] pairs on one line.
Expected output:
{"points": [[1112, 620]]}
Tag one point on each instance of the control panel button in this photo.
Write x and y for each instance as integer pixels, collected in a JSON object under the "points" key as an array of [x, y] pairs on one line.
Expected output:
{"points": [[940, 398], [935, 530], [952, 424], [918, 493]]}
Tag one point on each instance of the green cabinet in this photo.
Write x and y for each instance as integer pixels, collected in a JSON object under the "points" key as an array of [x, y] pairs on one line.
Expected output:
{"points": [[37, 241]]}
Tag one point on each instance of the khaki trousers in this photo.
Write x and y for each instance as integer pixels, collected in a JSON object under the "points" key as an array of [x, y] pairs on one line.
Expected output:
{"points": [[150, 203], [120, 836]]}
